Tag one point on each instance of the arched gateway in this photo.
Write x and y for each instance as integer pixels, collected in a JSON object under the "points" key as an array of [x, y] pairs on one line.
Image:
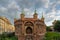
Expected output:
{"points": [[30, 28]]}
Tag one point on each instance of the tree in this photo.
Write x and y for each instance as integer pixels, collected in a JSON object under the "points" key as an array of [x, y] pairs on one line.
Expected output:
{"points": [[57, 26], [48, 28]]}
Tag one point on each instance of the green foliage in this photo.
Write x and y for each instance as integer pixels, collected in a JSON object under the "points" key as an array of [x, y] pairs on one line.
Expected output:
{"points": [[52, 36], [9, 36], [48, 36], [48, 29], [57, 26]]}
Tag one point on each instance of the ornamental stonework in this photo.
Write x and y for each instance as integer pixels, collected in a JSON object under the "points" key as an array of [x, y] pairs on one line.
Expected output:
{"points": [[30, 28]]}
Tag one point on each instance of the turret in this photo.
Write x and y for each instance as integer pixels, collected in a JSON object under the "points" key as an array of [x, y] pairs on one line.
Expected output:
{"points": [[35, 16], [42, 18], [22, 15]]}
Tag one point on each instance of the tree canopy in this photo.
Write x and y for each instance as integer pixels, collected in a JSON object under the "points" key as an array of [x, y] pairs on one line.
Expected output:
{"points": [[57, 26]]}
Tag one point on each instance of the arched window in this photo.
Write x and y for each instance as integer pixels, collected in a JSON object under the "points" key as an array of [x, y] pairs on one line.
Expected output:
{"points": [[29, 23], [29, 30]]}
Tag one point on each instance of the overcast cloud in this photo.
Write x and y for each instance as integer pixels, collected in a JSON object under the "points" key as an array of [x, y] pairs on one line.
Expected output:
{"points": [[12, 8]]}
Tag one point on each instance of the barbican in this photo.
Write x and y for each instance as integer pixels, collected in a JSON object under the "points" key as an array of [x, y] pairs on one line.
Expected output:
{"points": [[30, 28]]}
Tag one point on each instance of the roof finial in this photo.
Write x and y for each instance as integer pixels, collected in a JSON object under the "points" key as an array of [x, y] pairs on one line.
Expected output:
{"points": [[42, 15], [35, 11], [22, 11]]}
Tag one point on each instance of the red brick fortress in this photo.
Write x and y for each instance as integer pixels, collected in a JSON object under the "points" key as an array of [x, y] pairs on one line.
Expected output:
{"points": [[30, 28]]}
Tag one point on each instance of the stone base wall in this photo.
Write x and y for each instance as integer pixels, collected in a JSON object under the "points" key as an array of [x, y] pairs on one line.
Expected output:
{"points": [[38, 37]]}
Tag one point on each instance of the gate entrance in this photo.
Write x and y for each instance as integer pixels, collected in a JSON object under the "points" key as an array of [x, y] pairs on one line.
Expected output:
{"points": [[29, 30]]}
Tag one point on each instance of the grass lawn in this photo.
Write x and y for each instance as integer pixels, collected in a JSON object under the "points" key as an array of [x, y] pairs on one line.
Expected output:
{"points": [[48, 36], [52, 36]]}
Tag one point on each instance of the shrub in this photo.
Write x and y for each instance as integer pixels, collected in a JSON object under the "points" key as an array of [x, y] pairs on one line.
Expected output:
{"points": [[52, 36]]}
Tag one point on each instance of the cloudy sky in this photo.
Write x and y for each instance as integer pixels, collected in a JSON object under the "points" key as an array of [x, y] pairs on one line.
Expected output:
{"points": [[12, 9]]}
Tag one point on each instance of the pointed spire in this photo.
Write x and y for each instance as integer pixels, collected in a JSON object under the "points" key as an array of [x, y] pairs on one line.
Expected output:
{"points": [[22, 12], [35, 12], [22, 15], [42, 18], [42, 15], [35, 15]]}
